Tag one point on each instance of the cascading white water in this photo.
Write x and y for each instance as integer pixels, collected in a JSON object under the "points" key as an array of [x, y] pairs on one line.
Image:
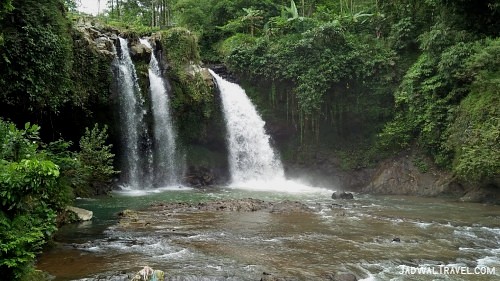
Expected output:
{"points": [[253, 162], [130, 115], [165, 151], [251, 157]]}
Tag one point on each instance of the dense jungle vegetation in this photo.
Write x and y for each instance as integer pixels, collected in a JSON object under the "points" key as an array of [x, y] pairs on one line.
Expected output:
{"points": [[363, 78]]}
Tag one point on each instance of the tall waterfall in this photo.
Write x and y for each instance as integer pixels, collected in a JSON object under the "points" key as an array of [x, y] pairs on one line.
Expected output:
{"points": [[251, 157], [131, 115], [165, 160]]}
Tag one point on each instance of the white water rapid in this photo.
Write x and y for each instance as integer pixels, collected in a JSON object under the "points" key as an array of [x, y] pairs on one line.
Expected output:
{"points": [[166, 162]]}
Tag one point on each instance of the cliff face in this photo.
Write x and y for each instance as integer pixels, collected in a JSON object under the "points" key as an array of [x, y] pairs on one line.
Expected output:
{"points": [[407, 174], [197, 114], [194, 102], [403, 175]]}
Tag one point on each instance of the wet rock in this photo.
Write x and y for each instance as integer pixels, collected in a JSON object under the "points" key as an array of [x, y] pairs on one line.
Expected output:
{"points": [[343, 195], [242, 205], [342, 276], [222, 70], [396, 239], [200, 176], [401, 176], [112, 276], [140, 52], [96, 38], [82, 214], [272, 277], [487, 194], [235, 205], [149, 274], [288, 206], [128, 214]]}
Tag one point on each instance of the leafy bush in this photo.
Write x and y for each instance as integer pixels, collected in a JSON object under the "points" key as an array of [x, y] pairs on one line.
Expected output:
{"points": [[96, 160], [30, 197], [36, 182], [36, 56], [474, 133]]}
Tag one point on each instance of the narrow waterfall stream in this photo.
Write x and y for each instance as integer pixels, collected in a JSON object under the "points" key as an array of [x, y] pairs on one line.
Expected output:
{"points": [[167, 168], [131, 116], [251, 156]]}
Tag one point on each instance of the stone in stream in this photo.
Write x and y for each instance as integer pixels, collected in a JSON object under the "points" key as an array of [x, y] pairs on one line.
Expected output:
{"points": [[82, 214], [149, 274], [234, 205], [271, 277], [343, 195], [342, 276]]}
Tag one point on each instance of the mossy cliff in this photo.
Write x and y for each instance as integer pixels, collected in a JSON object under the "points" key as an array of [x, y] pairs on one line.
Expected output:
{"points": [[193, 100], [196, 107]]}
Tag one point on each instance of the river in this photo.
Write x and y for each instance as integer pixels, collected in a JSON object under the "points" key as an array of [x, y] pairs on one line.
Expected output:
{"points": [[373, 237]]}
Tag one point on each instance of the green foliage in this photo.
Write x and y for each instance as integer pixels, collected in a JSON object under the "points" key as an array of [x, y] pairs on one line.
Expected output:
{"points": [[35, 184], [324, 57], [18, 144], [90, 74], [235, 41], [96, 159], [420, 162], [36, 56], [193, 97], [181, 46], [192, 14], [5, 7], [474, 133], [447, 100], [30, 196]]}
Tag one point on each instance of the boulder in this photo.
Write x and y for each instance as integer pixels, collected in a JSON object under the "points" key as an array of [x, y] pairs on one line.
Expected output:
{"points": [[342, 276], [200, 176], [149, 274], [271, 277], [82, 214], [343, 195], [140, 52]]}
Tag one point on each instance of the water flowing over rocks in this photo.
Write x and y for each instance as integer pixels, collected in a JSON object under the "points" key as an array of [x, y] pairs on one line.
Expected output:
{"points": [[234, 205]]}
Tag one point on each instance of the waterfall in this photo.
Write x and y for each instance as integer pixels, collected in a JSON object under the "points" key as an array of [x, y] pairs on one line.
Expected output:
{"points": [[130, 114], [149, 157], [164, 147], [251, 157]]}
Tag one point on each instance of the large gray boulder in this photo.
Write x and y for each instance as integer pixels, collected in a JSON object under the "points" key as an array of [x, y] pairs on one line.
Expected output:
{"points": [[82, 214]]}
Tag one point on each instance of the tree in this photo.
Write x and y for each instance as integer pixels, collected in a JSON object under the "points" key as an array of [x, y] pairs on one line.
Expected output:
{"points": [[96, 159]]}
